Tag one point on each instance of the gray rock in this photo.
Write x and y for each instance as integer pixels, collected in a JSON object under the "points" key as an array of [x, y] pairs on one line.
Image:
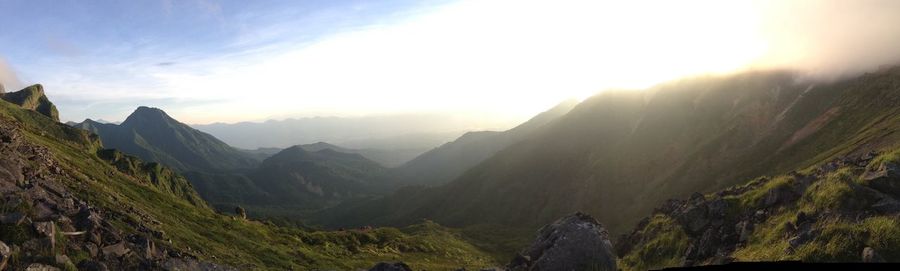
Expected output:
{"points": [[886, 178], [575, 242], [694, 219], [870, 256], [115, 250], [397, 266]]}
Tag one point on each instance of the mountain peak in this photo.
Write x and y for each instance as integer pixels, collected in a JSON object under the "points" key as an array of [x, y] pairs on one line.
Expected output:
{"points": [[148, 114], [33, 98]]}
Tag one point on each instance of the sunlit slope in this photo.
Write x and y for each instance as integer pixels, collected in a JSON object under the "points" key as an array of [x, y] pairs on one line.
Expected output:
{"points": [[620, 153], [140, 197]]}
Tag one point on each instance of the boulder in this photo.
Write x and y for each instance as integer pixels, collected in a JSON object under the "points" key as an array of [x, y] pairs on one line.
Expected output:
{"points": [[694, 219], [575, 242], [398, 266], [870, 256], [115, 250], [886, 178]]}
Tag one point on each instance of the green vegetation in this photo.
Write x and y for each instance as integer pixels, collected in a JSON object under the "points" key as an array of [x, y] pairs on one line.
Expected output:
{"points": [[768, 242], [664, 249], [836, 192], [618, 155], [152, 135], [32, 98], [140, 193]]}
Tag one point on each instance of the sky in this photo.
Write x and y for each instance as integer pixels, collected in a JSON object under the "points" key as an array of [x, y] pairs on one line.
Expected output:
{"points": [[207, 61]]}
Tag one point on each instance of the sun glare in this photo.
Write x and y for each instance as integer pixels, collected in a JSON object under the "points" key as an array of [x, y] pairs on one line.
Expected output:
{"points": [[499, 57]]}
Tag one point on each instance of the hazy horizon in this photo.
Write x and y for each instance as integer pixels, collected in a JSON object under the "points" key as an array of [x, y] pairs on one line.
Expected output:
{"points": [[209, 61]]}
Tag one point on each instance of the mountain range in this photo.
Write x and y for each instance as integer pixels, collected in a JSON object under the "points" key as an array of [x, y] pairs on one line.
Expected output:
{"points": [[620, 154], [390, 140], [152, 135], [69, 203], [759, 165]]}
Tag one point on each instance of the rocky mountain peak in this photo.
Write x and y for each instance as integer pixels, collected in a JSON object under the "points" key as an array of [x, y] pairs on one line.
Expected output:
{"points": [[33, 98]]}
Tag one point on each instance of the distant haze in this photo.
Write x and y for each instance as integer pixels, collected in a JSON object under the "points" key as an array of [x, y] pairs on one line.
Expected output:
{"points": [[206, 62]]}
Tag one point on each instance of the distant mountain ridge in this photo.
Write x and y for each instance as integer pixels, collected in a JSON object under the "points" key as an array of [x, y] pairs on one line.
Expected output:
{"points": [[153, 135], [619, 154], [445, 163]]}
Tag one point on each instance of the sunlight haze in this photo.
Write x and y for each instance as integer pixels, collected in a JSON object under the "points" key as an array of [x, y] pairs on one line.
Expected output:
{"points": [[497, 61]]}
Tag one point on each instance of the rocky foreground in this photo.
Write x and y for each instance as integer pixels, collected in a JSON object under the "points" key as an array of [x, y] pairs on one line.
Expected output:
{"points": [[845, 210], [47, 219]]}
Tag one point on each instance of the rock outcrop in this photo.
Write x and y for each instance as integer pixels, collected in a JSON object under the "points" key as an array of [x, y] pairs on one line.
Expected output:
{"points": [[41, 219], [798, 209], [33, 98], [575, 242]]}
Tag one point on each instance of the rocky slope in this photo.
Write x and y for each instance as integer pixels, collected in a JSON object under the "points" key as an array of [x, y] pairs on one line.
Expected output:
{"points": [[67, 203], [845, 210], [45, 222]]}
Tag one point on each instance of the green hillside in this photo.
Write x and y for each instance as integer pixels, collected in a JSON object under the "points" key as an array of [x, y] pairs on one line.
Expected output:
{"points": [[32, 98], [153, 203], [619, 154], [449, 161], [152, 135]]}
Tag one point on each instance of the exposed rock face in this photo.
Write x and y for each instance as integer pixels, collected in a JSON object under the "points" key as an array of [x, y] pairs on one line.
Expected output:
{"points": [[398, 266], [575, 242], [42, 219], [33, 98]]}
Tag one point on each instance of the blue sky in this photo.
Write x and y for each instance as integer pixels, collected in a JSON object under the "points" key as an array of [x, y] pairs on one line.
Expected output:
{"points": [[496, 62], [67, 45]]}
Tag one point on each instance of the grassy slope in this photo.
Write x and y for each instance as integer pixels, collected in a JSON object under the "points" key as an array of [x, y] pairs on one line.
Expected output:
{"points": [[220, 238], [838, 238]]}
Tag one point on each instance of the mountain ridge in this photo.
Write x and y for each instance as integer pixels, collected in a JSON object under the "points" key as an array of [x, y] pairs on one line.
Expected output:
{"points": [[153, 135]]}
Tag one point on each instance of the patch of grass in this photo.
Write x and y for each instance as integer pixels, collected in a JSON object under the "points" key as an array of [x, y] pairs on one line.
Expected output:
{"points": [[753, 198], [838, 241], [767, 242], [836, 192], [501, 241], [665, 248]]}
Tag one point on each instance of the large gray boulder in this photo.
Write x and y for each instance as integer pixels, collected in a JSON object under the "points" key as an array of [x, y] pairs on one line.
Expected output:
{"points": [[574, 242]]}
